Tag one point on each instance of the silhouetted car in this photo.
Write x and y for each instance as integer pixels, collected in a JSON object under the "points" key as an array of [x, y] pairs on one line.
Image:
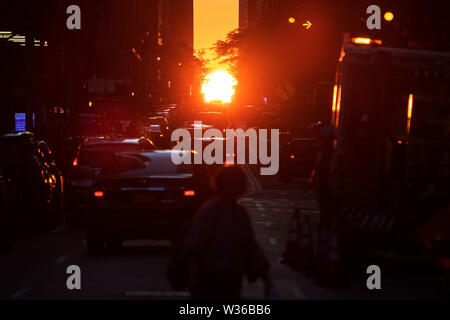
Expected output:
{"points": [[92, 155], [37, 198], [297, 158], [144, 195], [54, 169], [6, 213], [157, 120], [217, 120], [159, 136]]}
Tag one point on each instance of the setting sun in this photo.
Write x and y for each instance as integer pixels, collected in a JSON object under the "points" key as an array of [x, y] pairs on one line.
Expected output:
{"points": [[219, 86]]}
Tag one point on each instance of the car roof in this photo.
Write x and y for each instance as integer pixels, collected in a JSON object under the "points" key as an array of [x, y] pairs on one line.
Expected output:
{"points": [[107, 140], [157, 118], [19, 137], [158, 153], [23, 134], [211, 112]]}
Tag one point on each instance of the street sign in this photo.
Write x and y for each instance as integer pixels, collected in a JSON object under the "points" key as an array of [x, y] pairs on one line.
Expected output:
{"points": [[307, 24], [20, 121], [285, 90]]}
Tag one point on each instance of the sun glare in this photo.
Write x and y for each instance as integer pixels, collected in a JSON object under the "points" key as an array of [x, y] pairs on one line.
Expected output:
{"points": [[219, 86]]}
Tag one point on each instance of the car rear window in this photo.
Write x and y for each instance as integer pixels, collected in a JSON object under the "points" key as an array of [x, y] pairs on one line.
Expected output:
{"points": [[150, 165], [97, 156]]}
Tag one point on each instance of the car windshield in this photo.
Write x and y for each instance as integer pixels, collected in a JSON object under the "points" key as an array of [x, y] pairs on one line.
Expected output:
{"points": [[143, 164]]}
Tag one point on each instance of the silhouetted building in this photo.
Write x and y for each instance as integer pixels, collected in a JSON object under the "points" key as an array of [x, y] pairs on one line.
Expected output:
{"points": [[250, 13], [178, 22], [178, 43]]}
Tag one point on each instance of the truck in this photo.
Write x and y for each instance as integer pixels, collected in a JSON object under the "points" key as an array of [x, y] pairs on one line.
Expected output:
{"points": [[390, 113]]}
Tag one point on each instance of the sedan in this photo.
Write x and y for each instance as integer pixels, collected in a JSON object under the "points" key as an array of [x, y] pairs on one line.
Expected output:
{"points": [[144, 195]]}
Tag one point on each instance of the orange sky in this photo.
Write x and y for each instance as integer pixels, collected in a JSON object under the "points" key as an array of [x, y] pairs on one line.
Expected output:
{"points": [[213, 19]]}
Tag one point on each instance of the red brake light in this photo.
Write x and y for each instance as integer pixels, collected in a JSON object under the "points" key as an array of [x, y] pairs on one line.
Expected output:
{"points": [[189, 193], [98, 194], [75, 161], [291, 156]]}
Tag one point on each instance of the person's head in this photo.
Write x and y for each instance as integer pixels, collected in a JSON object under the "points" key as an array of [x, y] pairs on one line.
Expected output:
{"points": [[231, 182]]}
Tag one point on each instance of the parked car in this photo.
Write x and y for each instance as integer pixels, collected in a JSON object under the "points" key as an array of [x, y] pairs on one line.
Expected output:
{"points": [[144, 195], [297, 158], [6, 213], [53, 169], [35, 179], [92, 155]]}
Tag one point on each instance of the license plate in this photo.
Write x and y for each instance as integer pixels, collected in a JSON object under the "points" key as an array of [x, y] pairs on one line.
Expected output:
{"points": [[142, 199]]}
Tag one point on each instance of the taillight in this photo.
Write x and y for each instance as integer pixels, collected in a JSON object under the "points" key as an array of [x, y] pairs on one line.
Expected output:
{"points": [[189, 193], [98, 194], [291, 156], [75, 161]]}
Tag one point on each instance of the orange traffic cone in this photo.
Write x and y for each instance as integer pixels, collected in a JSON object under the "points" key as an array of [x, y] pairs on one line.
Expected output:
{"points": [[306, 254], [290, 256], [335, 275]]}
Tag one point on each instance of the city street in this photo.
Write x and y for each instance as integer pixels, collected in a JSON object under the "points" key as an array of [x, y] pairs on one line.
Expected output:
{"points": [[36, 267], [146, 144]]}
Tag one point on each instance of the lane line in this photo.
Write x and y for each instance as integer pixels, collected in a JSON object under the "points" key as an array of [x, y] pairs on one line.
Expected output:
{"points": [[19, 293]]}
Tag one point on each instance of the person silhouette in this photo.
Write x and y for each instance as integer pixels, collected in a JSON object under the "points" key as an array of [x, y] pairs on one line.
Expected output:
{"points": [[221, 245]]}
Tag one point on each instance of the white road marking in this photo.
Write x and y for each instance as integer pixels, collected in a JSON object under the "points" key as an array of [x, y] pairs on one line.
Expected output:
{"points": [[298, 294], [157, 294], [19, 293], [61, 259], [273, 241]]}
